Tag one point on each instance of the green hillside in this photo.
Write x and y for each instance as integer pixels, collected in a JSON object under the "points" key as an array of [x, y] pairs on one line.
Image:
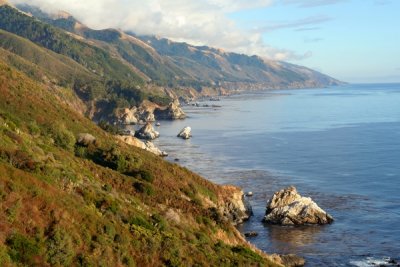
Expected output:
{"points": [[95, 59], [48, 54], [100, 204]]}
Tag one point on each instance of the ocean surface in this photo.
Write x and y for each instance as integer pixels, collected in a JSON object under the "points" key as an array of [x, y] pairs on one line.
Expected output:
{"points": [[339, 145]]}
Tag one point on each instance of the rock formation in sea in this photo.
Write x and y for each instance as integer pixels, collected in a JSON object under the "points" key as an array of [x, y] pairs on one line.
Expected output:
{"points": [[172, 112], [147, 132], [185, 133], [287, 207]]}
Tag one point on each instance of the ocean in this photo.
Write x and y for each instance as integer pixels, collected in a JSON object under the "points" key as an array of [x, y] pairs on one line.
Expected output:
{"points": [[338, 145]]}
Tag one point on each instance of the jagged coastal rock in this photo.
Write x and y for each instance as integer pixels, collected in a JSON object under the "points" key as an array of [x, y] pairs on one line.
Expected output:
{"points": [[146, 145], [289, 260], [145, 116], [148, 112], [126, 116], [172, 112], [235, 207], [185, 133], [147, 132], [85, 139], [287, 207]]}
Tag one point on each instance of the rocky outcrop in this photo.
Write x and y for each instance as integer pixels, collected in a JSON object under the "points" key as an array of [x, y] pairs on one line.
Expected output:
{"points": [[147, 132], [235, 207], [146, 116], [185, 133], [147, 145], [172, 112], [289, 260], [85, 139], [126, 116], [287, 207]]}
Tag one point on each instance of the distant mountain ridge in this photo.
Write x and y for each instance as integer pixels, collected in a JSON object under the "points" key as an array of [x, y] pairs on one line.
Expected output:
{"points": [[108, 69], [169, 63]]}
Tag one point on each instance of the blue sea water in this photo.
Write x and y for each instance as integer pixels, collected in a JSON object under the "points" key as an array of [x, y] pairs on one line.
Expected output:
{"points": [[339, 145]]}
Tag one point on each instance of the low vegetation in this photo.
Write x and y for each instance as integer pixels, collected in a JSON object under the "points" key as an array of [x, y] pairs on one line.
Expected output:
{"points": [[102, 203]]}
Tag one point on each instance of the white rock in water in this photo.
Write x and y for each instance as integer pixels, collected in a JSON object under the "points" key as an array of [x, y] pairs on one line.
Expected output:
{"points": [[147, 132], [287, 207], [186, 133], [172, 112]]}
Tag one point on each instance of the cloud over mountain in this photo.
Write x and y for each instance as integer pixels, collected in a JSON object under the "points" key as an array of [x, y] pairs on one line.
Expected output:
{"points": [[199, 22]]}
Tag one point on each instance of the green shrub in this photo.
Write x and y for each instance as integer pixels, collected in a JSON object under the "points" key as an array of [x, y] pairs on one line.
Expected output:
{"points": [[5, 259], [159, 222], [122, 164], [22, 249], [140, 221], [107, 187], [33, 128], [247, 253], [142, 175], [144, 188], [81, 151], [60, 249], [62, 137], [109, 128]]}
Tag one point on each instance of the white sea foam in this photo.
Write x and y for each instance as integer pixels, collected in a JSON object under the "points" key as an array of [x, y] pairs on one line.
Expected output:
{"points": [[368, 262]]}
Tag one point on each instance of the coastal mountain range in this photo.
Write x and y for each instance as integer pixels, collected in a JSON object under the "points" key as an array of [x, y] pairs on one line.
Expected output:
{"points": [[73, 192], [130, 68], [170, 63]]}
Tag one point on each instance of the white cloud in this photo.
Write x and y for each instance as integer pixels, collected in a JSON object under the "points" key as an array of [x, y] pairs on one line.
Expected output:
{"points": [[204, 22], [312, 3], [296, 24]]}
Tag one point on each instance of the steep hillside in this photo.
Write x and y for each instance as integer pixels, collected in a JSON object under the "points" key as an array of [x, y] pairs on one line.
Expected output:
{"points": [[100, 203], [46, 53], [230, 70], [179, 64]]}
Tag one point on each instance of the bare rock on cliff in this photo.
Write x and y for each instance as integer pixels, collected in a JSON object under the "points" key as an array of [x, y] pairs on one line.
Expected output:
{"points": [[146, 115], [126, 116], [235, 207], [289, 260], [185, 133], [287, 207], [145, 111], [172, 112], [85, 139], [147, 145], [147, 132]]}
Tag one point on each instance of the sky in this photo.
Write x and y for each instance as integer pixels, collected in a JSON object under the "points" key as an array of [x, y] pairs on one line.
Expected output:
{"points": [[356, 41]]}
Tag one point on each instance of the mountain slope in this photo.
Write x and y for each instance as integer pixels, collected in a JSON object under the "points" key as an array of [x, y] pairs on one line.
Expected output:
{"points": [[179, 64], [96, 60], [227, 69], [103, 203], [101, 80]]}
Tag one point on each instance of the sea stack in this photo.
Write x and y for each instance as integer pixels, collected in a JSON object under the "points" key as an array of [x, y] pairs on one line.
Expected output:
{"points": [[147, 132], [185, 133], [287, 207]]}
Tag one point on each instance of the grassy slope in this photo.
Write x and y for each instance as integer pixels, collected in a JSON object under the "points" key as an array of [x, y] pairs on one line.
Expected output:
{"points": [[95, 59], [39, 62], [60, 208]]}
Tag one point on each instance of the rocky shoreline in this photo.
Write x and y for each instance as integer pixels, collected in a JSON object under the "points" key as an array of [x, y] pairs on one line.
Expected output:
{"points": [[286, 207]]}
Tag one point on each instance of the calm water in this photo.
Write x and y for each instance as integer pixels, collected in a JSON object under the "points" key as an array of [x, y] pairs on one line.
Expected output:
{"points": [[341, 146]]}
